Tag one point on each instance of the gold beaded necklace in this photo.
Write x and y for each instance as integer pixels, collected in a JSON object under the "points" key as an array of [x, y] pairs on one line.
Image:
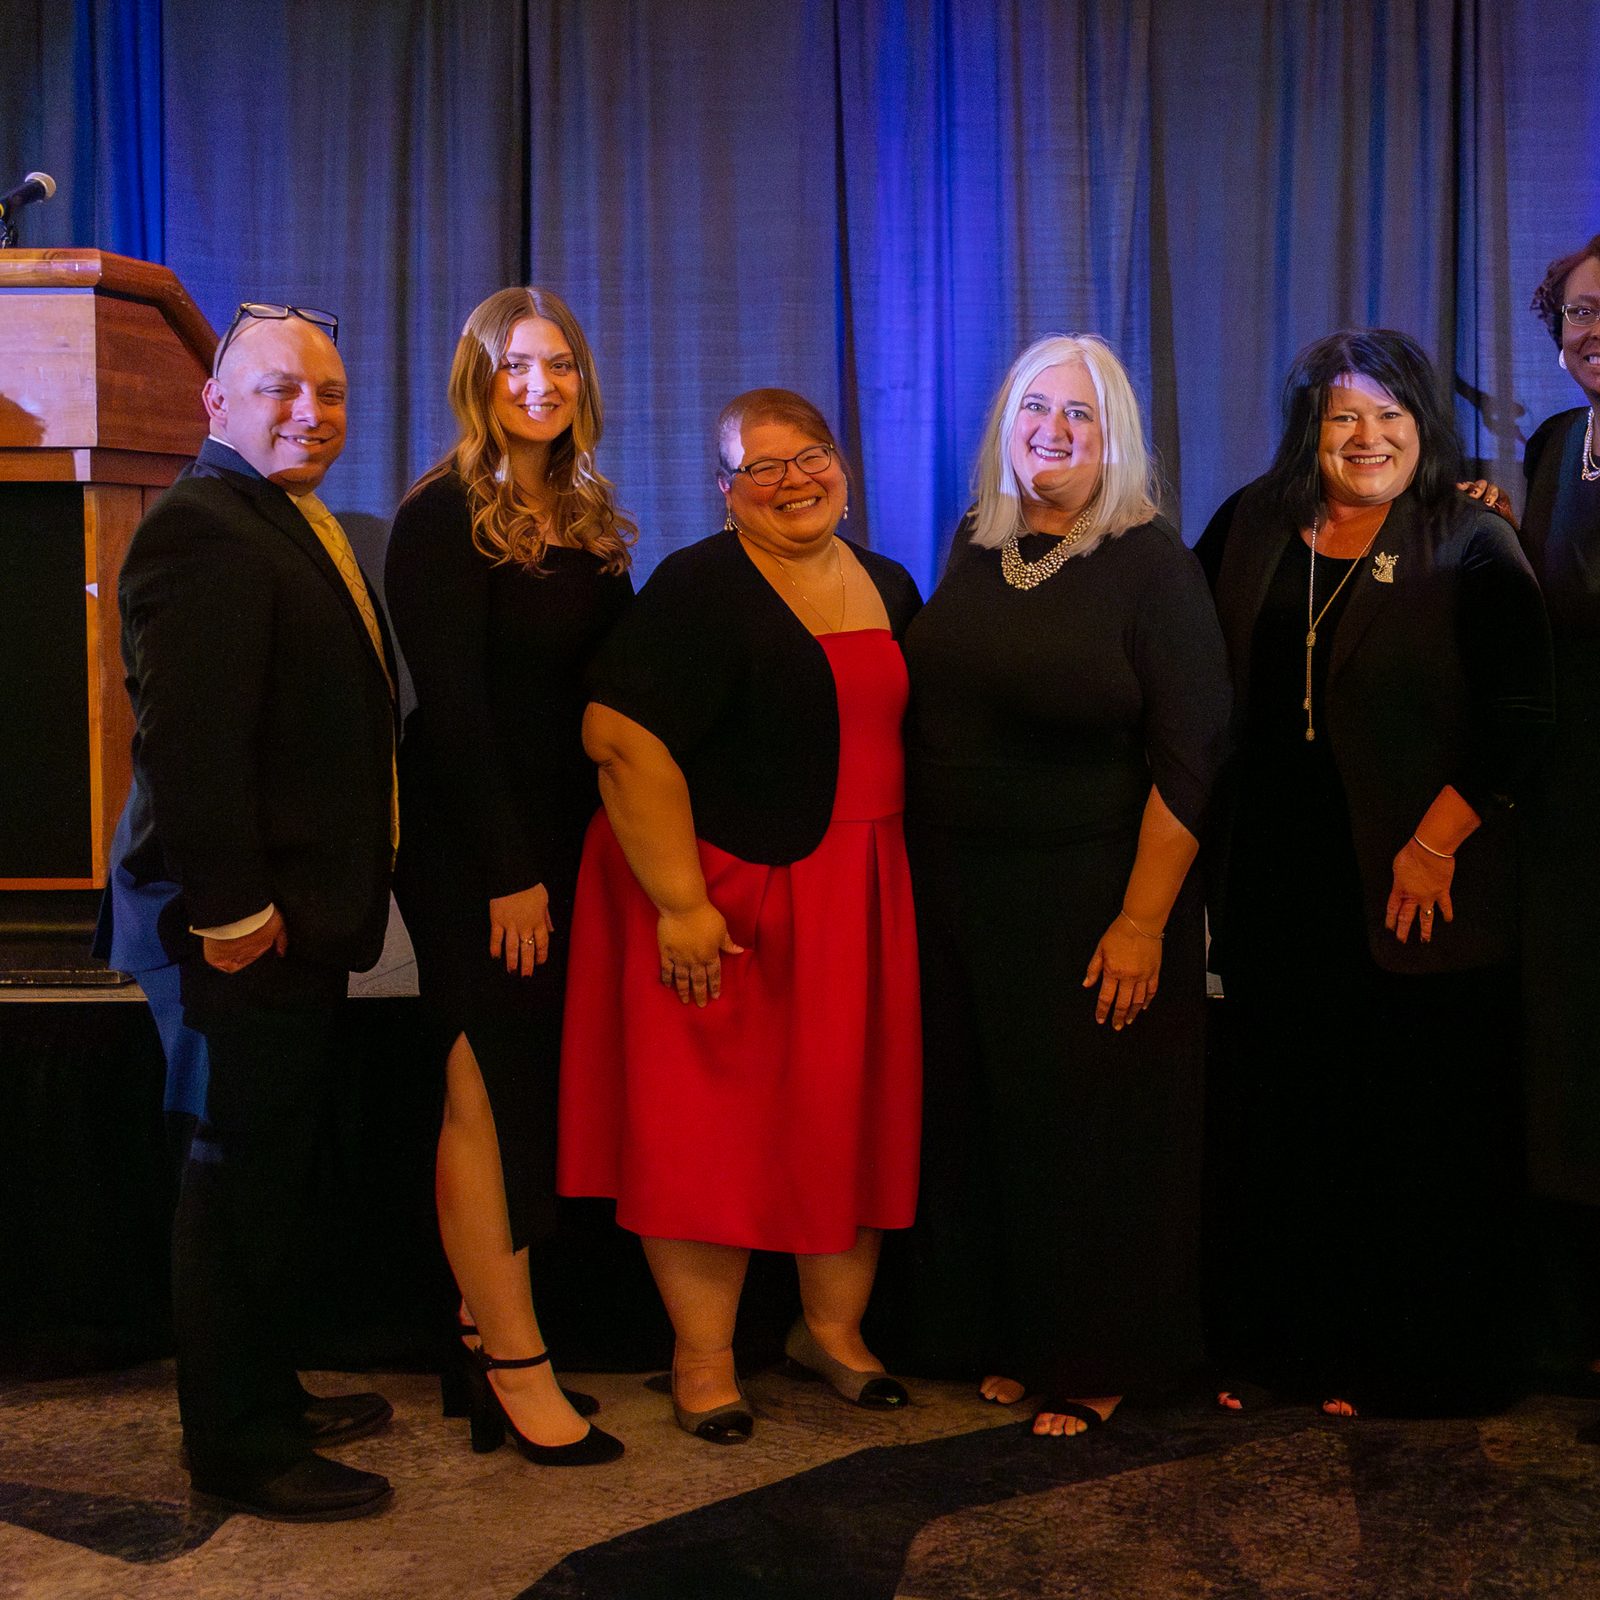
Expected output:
{"points": [[1312, 621], [1022, 574]]}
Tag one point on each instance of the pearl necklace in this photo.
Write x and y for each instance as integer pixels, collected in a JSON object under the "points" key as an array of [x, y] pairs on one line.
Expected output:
{"points": [[1022, 574], [1588, 462]]}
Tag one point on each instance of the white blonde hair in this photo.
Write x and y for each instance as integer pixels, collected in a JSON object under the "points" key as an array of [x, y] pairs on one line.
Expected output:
{"points": [[1126, 494]]}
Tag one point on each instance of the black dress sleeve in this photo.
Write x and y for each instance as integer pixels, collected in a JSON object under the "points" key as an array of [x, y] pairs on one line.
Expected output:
{"points": [[676, 659], [1505, 647], [1179, 659], [437, 585]]}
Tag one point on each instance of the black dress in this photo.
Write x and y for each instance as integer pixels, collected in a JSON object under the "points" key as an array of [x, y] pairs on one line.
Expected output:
{"points": [[495, 793], [1561, 846], [1364, 1154], [1057, 1237]]}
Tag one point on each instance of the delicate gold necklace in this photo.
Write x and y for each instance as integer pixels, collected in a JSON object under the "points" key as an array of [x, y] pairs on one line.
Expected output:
{"points": [[1312, 620], [1590, 464], [1022, 574], [838, 555]]}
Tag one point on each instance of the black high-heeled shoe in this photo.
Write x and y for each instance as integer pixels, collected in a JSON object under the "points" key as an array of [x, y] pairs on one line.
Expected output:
{"points": [[490, 1422], [455, 1380]]}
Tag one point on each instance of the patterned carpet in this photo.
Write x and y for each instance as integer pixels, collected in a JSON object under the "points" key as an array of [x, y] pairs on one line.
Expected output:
{"points": [[948, 1501]]}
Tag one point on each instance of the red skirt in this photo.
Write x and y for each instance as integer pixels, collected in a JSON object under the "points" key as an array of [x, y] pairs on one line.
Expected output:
{"points": [[786, 1115]]}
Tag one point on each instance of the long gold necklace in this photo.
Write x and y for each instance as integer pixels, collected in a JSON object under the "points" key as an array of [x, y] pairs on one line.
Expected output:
{"points": [[1590, 465], [1312, 620], [838, 555], [1022, 574]]}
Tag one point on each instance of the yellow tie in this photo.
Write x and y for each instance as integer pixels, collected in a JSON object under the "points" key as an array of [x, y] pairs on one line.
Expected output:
{"points": [[333, 539]]}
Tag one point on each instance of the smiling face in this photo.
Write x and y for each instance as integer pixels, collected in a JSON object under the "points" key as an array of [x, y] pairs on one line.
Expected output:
{"points": [[535, 393], [798, 513], [1368, 448], [1580, 347], [279, 400], [1057, 441]]}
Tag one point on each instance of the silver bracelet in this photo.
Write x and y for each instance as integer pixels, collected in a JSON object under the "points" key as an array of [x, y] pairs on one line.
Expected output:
{"points": [[1431, 851], [1137, 929]]}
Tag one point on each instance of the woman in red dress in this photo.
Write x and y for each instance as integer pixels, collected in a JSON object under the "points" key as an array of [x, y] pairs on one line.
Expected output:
{"points": [[742, 1061]]}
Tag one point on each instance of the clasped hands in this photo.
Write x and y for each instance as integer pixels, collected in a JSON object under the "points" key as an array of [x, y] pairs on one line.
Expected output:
{"points": [[692, 944], [1421, 882]]}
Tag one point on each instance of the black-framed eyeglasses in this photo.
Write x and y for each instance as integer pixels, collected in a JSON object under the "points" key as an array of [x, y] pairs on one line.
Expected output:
{"points": [[769, 470], [260, 311], [1580, 315]]}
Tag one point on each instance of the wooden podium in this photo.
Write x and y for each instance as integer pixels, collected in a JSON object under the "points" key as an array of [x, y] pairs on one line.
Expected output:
{"points": [[101, 363]]}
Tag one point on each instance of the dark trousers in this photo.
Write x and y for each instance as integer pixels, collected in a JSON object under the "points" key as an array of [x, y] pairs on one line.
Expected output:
{"points": [[243, 1205]]}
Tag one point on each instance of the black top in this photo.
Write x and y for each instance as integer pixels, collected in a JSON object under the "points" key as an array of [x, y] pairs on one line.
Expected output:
{"points": [[713, 662], [1438, 672], [1561, 530], [497, 655], [1050, 711]]}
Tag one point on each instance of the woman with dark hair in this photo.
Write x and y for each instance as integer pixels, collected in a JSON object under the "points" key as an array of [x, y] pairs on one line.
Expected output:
{"points": [[1390, 660], [507, 565], [1561, 851], [742, 1065]]}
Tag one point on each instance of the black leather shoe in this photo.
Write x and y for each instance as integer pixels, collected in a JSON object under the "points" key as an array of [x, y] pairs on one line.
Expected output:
{"points": [[338, 1418], [312, 1489]]}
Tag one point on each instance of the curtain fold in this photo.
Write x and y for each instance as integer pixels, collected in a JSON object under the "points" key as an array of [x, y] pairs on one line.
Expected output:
{"points": [[877, 202]]}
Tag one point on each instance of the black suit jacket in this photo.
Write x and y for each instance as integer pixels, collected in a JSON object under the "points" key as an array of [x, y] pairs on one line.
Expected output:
{"points": [[1440, 676], [264, 723]]}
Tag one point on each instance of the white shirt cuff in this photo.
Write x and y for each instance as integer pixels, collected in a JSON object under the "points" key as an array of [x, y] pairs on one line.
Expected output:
{"points": [[237, 930]]}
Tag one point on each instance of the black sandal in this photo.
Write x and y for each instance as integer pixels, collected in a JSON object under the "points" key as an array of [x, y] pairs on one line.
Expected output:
{"points": [[1087, 1415]]}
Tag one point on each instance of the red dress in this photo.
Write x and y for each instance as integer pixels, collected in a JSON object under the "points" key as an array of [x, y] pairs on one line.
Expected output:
{"points": [[785, 1115]]}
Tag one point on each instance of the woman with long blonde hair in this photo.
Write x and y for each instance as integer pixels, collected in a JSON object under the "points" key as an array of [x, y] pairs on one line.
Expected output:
{"points": [[507, 565]]}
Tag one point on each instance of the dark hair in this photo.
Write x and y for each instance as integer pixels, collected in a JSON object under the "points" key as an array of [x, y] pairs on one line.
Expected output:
{"points": [[1548, 296], [771, 405], [1399, 364]]}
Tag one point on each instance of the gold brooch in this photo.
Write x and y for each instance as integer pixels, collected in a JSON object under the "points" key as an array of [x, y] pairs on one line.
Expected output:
{"points": [[1383, 567]]}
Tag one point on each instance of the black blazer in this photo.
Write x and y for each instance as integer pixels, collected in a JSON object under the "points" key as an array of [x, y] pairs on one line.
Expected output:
{"points": [[264, 725], [1440, 676], [712, 661]]}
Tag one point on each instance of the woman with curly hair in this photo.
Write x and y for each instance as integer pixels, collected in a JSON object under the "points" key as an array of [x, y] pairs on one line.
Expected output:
{"points": [[507, 565]]}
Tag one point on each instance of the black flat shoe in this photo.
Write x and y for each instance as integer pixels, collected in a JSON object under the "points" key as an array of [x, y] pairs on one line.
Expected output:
{"points": [[455, 1381], [312, 1489], [730, 1423], [490, 1422], [874, 1391], [338, 1418]]}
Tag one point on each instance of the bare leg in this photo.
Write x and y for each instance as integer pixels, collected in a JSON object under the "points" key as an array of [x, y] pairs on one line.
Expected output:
{"points": [[834, 1291], [471, 1195], [700, 1286]]}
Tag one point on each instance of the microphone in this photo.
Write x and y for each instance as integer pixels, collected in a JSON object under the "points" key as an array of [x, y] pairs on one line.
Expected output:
{"points": [[36, 186]]}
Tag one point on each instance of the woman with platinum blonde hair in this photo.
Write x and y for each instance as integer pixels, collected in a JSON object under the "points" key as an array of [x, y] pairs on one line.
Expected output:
{"points": [[1069, 706], [1124, 493]]}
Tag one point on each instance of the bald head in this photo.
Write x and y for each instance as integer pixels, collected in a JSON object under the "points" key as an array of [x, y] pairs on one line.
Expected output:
{"points": [[279, 399]]}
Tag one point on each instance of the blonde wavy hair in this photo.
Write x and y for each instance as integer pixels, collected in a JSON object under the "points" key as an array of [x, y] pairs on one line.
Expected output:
{"points": [[505, 525], [1127, 494]]}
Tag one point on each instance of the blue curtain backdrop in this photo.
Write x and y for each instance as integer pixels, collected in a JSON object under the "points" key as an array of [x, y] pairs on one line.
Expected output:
{"points": [[875, 201]]}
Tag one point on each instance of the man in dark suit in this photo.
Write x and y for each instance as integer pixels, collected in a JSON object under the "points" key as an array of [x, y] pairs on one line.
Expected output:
{"points": [[262, 685]]}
